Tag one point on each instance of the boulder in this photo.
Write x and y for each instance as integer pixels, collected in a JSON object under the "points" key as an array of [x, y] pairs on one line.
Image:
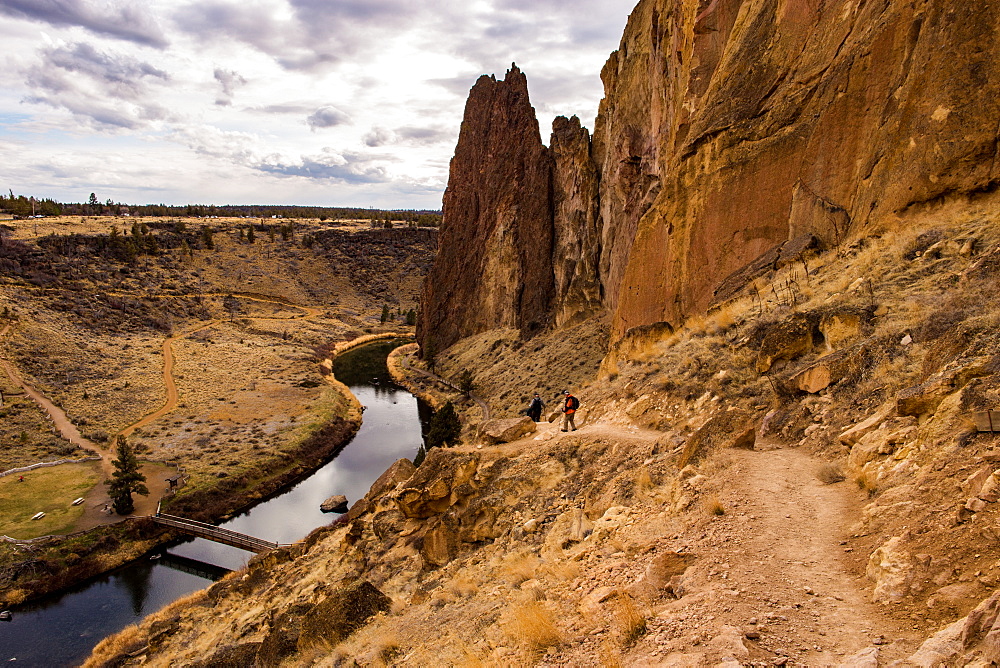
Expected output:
{"points": [[854, 434], [785, 341], [940, 649], [400, 471], [827, 370], [568, 529], [664, 574], [866, 658], [335, 504], [924, 398], [437, 484], [341, 614], [725, 428], [990, 491], [436, 548], [891, 568], [840, 328], [230, 656], [981, 628], [506, 430]]}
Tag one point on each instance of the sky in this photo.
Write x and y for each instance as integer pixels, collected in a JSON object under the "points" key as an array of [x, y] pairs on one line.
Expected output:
{"points": [[309, 102]]}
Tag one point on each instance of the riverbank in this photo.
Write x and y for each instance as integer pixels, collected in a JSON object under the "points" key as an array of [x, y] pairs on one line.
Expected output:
{"points": [[31, 570]]}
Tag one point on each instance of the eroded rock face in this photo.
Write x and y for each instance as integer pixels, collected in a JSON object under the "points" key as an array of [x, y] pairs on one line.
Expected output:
{"points": [[717, 145], [576, 223], [494, 263], [718, 140]]}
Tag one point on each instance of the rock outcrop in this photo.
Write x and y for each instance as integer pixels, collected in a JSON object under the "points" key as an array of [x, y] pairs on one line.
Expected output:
{"points": [[494, 262], [730, 126], [728, 129]]}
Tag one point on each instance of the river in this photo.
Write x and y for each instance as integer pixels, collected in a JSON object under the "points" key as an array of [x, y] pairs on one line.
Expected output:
{"points": [[60, 630]]}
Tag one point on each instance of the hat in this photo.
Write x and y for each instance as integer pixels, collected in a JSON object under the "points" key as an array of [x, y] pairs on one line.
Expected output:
{"points": [[565, 391]]}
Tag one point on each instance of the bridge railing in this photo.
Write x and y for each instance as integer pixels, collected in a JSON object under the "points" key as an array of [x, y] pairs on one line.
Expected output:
{"points": [[214, 533]]}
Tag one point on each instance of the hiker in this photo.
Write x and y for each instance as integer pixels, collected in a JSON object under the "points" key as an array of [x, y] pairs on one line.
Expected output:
{"points": [[569, 410], [20, 478], [535, 408]]}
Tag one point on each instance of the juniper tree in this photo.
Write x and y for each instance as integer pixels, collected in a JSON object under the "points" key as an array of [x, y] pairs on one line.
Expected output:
{"points": [[445, 427], [126, 479]]}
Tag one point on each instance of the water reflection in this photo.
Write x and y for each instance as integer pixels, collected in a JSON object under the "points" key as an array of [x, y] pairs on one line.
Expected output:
{"points": [[62, 629]]}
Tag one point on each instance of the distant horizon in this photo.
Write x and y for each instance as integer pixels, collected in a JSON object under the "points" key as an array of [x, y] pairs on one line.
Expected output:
{"points": [[278, 100]]}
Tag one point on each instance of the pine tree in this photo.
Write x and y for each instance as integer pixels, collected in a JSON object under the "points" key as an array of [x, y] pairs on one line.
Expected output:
{"points": [[385, 313], [126, 479], [445, 427], [250, 234]]}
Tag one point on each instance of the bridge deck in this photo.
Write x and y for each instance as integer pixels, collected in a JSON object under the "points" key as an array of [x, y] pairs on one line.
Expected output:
{"points": [[214, 533]]}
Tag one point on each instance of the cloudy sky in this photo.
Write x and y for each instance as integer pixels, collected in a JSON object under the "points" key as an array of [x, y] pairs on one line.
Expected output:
{"points": [[327, 102]]}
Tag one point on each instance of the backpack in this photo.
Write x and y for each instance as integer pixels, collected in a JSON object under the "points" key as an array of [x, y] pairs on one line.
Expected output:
{"points": [[573, 403]]}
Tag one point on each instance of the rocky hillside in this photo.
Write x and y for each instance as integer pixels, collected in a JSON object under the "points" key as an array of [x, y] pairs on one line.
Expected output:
{"points": [[727, 127], [792, 480], [773, 271]]}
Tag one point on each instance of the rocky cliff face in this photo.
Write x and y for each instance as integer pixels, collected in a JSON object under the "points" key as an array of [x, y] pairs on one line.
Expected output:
{"points": [[727, 128], [748, 122], [494, 260]]}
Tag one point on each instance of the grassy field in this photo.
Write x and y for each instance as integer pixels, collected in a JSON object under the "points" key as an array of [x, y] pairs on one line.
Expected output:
{"points": [[50, 490]]}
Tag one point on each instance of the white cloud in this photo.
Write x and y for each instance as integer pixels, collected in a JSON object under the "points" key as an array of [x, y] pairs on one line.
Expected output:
{"points": [[227, 99]]}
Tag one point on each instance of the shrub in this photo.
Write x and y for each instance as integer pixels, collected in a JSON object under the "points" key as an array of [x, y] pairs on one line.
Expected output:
{"points": [[830, 473]]}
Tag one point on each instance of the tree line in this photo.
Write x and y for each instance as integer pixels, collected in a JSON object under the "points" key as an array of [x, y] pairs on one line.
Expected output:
{"points": [[22, 206]]}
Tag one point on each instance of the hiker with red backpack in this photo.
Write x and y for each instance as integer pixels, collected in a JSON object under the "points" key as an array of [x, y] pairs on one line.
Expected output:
{"points": [[569, 410]]}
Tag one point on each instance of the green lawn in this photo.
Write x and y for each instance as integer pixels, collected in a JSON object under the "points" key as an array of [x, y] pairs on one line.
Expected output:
{"points": [[51, 490]]}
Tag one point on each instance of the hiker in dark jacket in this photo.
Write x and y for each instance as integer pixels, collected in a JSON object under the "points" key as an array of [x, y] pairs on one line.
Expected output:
{"points": [[569, 410], [535, 408]]}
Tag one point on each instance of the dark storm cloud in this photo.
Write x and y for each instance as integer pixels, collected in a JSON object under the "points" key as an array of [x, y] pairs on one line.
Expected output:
{"points": [[327, 117], [350, 168], [129, 21], [107, 89], [230, 81]]}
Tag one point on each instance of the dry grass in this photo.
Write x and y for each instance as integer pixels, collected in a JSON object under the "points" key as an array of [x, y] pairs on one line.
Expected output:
{"points": [[519, 567], [126, 640], [562, 571], [463, 586], [712, 505], [609, 655], [866, 483], [627, 621], [830, 473], [644, 481], [533, 627]]}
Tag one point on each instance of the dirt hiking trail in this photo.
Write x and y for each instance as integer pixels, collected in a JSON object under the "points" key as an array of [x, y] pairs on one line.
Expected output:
{"points": [[784, 547], [97, 501]]}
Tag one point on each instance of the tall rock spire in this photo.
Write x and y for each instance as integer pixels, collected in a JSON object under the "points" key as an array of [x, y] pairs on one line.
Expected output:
{"points": [[493, 267]]}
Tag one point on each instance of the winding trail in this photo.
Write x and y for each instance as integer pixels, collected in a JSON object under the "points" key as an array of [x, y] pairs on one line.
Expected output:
{"points": [[404, 361], [96, 501], [60, 422]]}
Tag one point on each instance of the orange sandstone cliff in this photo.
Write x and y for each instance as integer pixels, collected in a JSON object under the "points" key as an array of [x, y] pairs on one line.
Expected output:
{"points": [[727, 128]]}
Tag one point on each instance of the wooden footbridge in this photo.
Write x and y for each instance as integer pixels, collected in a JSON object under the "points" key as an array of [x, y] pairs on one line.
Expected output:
{"points": [[214, 533]]}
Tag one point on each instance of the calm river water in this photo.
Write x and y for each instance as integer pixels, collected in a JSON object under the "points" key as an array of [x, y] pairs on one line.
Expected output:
{"points": [[62, 629]]}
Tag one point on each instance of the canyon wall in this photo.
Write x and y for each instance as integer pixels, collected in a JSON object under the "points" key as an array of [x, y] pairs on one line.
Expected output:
{"points": [[727, 128]]}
